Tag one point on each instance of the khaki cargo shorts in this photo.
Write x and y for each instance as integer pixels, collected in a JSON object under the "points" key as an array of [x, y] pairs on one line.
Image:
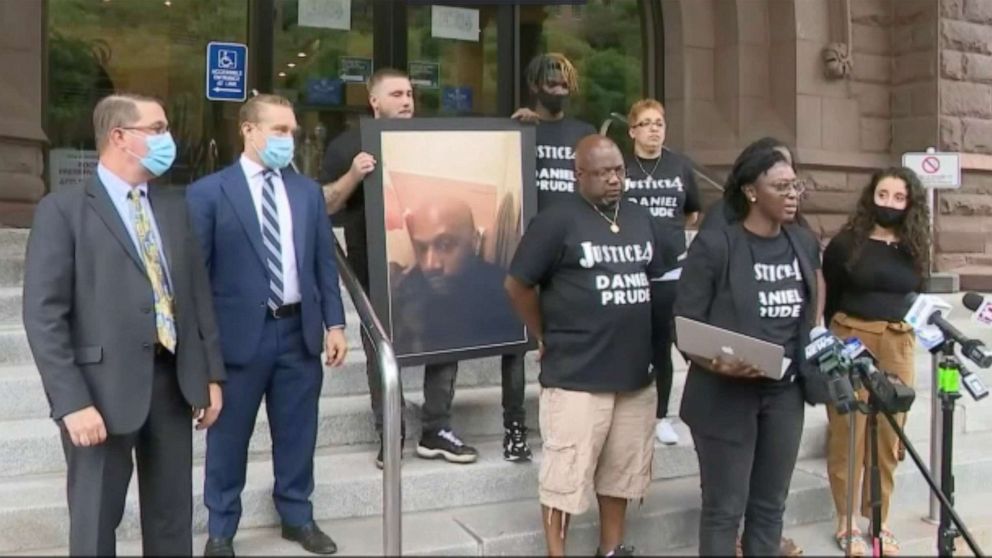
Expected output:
{"points": [[598, 441]]}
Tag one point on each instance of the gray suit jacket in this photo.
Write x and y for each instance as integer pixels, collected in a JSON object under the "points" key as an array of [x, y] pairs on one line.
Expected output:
{"points": [[89, 307]]}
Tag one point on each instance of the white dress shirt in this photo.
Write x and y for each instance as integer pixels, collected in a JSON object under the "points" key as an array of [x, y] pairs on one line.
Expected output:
{"points": [[290, 276]]}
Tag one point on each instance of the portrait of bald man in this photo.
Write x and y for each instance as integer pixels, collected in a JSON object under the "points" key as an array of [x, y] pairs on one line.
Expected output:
{"points": [[450, 298]]}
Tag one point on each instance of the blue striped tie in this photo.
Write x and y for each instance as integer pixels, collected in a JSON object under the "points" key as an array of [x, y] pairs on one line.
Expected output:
{"points": [[270, 238]]}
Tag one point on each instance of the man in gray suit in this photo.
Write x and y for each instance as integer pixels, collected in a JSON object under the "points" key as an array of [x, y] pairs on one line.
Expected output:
{"points": [[118, 312]]}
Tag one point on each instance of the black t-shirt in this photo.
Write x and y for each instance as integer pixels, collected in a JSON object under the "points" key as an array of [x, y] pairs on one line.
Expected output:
{"points": [[337, 161], [475, 312], [781, 292], [666, 186], [875, 287], [555, 146], [595, 294]]}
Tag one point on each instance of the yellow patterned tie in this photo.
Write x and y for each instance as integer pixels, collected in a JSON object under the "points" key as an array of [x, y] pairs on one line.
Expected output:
{"points": [[165, 322]]}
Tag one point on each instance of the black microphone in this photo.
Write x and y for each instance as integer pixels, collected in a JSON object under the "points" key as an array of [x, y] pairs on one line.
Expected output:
{"points": [[982, 308], [828, 353], [973, 349]]}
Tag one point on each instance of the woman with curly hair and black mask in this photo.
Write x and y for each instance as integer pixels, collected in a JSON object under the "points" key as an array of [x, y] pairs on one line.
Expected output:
{"points": [[878, 257]]}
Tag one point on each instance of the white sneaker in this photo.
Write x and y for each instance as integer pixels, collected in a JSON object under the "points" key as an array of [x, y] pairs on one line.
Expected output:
{"points": [[665, 432]]}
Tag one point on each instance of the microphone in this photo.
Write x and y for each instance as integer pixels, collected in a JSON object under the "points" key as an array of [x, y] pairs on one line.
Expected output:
{"points": [[889, 391], [981, 308], [828, 353], [928, 310]]}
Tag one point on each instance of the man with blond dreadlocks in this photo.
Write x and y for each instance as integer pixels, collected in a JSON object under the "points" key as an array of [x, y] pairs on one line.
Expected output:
{"points": [[551, 79]]}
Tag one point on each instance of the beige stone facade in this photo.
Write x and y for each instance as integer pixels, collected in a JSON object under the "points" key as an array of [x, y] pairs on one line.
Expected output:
{"points": [[906, 75], [21, 135]]}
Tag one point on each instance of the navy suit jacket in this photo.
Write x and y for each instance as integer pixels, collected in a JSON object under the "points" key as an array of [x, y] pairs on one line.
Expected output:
{"points": [[226, 223]]}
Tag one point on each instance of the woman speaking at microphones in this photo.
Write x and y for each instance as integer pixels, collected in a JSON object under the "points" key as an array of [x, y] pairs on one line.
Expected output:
{"points": [[880, 256], [757, 277]]}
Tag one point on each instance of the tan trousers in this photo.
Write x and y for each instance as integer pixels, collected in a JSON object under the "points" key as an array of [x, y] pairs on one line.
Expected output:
{"points": [[893, 345]]}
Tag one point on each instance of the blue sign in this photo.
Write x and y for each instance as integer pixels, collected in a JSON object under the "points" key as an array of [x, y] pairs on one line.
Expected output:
{"points": [[456, 99], [227, 71], [324, 91]]}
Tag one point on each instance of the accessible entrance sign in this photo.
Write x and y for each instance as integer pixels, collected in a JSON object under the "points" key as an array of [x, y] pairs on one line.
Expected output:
{"points": [[941, 171], [227, 71]]}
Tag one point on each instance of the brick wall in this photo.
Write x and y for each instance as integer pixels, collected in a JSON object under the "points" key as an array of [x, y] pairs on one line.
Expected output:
{"points": [[21, 136], [964, 237]]}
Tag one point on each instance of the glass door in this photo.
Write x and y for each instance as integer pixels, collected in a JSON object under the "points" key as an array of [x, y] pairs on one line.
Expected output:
{"points": [[322, 57], [97, 47], [452, 59]]}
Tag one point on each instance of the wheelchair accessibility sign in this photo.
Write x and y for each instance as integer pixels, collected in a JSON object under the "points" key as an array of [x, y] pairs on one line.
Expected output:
{"points": [[227, 71]]}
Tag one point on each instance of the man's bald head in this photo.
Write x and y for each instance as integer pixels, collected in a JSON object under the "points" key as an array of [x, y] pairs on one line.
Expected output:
{"points": [[599, 169], [444, 239]]}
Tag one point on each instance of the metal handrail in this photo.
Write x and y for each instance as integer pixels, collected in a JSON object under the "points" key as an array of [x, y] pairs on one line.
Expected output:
{"points": [[392, 501], [700, 170]]}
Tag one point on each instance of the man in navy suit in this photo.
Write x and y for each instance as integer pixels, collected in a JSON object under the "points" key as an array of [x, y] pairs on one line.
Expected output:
{"points": [[267, 243]]}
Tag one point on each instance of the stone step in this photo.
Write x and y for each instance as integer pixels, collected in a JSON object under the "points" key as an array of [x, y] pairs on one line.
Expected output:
{"points": [[14, 349], [33, 446], [11, 271], [665, 524], [13, 241], [917, 537], [22, 396], [667, 519], [10, 306], [348, 484]]}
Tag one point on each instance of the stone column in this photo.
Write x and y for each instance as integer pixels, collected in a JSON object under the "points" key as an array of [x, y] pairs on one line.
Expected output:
{"points": [[21, 136]]}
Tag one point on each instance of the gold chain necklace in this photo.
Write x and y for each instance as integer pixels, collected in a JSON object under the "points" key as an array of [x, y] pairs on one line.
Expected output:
{"points": [[614, 226]]}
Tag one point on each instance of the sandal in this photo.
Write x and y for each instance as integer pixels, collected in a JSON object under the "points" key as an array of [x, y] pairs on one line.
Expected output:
{"points": [[857, 540], [890, 545]]}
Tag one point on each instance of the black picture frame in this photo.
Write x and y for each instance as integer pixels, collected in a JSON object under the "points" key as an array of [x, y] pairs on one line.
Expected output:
{"points": [[446, 133]]}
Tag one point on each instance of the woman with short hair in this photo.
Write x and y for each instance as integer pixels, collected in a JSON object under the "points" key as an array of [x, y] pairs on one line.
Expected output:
{"points": [[662, 181]]}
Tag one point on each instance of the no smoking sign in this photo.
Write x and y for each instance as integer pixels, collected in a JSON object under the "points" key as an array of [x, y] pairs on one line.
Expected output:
{"points": [[936, 170]]}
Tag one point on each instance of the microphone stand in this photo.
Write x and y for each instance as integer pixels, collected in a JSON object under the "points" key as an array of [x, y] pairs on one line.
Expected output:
{"points": [[951, 524]]}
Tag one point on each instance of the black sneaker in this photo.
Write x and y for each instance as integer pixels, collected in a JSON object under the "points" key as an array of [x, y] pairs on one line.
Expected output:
{"points": [[378, 457], [620, 550], [444, 443], [515, 446]]}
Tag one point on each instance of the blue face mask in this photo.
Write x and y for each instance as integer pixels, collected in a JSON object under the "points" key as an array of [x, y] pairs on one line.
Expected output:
{"points": [[161, 153], [278, 152]]}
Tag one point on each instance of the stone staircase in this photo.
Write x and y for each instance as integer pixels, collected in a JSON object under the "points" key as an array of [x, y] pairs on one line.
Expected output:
{"points": [[487, 508]]}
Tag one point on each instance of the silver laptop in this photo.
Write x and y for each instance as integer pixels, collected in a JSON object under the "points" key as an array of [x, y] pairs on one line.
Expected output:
{"points": [[709, 342]]}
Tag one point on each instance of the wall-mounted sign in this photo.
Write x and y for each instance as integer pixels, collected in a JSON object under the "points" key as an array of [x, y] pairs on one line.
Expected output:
{"points": [[353, 69], [327, 14], [70, 168], [455, 23], [936, 170], [324, 91], [426, 75], [456, 99], [227, 71]]}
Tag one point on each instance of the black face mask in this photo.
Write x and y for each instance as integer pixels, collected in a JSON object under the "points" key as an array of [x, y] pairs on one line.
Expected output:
{"points": [[889, 217], [551, 101]]}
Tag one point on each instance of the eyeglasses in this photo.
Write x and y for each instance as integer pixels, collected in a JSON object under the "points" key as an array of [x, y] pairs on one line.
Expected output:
{"points": [[156, 129], [784, 187], [649, 123], [604, 174]]}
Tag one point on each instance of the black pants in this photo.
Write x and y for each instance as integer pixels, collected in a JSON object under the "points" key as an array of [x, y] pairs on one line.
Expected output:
{"points": [[439, 391], [662, 303], [514, 383], [98, 477], [746, 473]]}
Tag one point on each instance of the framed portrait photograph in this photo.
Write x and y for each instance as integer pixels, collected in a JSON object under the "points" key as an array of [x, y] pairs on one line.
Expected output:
{"points": [[444, 210]]}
